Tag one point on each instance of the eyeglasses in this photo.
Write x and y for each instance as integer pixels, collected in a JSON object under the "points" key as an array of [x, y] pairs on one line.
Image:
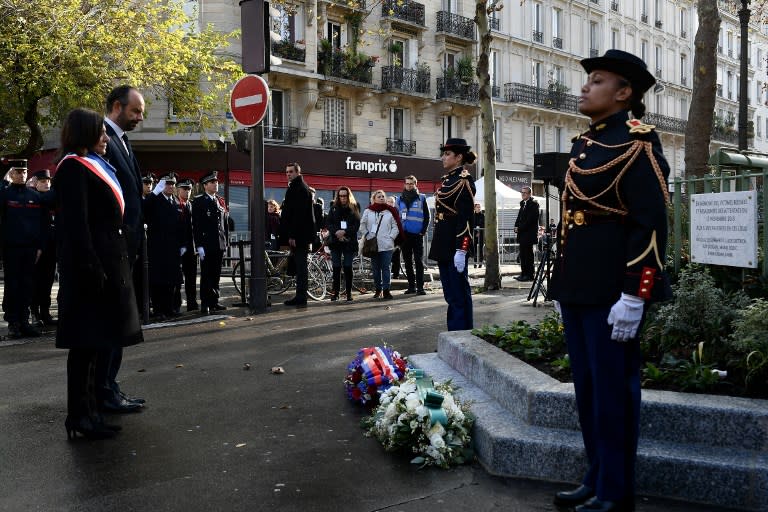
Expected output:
{"points": [[342, 195]]}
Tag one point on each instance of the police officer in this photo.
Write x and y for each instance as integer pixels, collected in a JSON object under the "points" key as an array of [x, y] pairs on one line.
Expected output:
{"points": [[452, 240], [24, 232], [45, 268], [189, 256], [210, 227], [609, 266]]}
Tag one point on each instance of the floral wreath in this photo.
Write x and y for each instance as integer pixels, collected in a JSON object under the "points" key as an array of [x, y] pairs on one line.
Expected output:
{"points": [[373, 371]]}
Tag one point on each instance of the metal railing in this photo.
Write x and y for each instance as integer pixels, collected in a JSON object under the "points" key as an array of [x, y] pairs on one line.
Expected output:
{"points": [[412, 12], [684, 80], [498, 154], [720, 90], [684, 35], [336, 64], [531, 95], [453, 88], [557, 42], [289, 50], [594, 52], [615, 6], [456, 25], [494, 23], [406, 147], [338, 140], [495, 91], [644, 18], [413, 80], [658, 72], [538, 36], [658, 24], [666, 123], [285, 134]]}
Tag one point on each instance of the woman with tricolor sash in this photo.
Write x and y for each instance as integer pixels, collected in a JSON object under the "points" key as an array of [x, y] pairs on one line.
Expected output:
{"points": [[97, 305]]}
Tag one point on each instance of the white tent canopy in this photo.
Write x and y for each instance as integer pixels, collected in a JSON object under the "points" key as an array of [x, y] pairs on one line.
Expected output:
{"points": [[506, 198]]}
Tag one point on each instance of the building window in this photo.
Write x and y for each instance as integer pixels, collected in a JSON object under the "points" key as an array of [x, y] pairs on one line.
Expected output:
{"points": [[594, 39], [536, 79], [659, 62], [536, 139], [497, 137], [335, 115], [683, 108], [683, 23], [559, 139], [684, 69], [449, 127], [275, 109], [758, 127], [615, 39], [644, 50], [334, 34]]}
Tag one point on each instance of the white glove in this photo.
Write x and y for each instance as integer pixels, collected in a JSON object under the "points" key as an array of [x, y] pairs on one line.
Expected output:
{"points": [[625, 317], [556, 303], [201, 252], [182, 251], [159, 187], [460, 260]]}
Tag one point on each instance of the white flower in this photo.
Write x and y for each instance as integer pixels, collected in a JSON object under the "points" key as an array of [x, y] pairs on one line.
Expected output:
{"points": [[412, 401], [433, 452], [409, 386], [437, 441], [437, 428], [422, 412], [391, 411]]}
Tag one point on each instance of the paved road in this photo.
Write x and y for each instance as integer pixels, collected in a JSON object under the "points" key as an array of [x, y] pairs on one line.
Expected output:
{"points": [[216, 437]]}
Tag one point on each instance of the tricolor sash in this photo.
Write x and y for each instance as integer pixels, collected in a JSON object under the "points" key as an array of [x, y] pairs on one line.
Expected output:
{"points": [[96, 166]]}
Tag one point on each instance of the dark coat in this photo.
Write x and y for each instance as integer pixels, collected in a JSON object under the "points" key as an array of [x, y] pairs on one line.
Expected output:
{"points": [[454, 205], [352, 218], [97, 303], [129, 175], [297, 218], [165, 238], [210, 222], [527, 222], [24, 217], [616, 242]]}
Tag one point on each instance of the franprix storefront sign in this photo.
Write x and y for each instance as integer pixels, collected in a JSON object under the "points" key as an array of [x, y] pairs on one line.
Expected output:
{"points": [[724, 229], [371, 166]]}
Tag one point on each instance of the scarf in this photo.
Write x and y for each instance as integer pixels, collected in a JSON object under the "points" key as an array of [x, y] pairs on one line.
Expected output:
{"points": [[409, 196], [380, 207]]}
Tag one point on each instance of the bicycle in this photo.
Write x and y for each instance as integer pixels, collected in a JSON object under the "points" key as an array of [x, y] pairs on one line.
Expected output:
{"points": [[362, 277], [278, 281]]}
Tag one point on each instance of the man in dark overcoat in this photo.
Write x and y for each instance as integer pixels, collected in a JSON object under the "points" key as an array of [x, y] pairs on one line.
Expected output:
{"points": [[210, 228], [162, 212], [297, 228], [527, 229], [125, 110]]}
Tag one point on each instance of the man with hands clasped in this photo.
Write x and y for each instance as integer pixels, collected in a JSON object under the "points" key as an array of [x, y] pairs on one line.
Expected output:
{"points": [[452, 240], [609, 263], [210, 227]]}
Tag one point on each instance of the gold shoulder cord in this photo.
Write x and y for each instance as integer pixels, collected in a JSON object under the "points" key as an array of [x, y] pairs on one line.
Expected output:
{"points": [[451, 192]]}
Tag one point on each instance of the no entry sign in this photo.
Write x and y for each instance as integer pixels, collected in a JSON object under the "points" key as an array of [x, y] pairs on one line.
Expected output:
{"points": [[249, 100]]}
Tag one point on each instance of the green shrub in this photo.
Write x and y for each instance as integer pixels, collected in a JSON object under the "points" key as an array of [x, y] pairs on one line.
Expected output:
{"points": [[749, 340]]}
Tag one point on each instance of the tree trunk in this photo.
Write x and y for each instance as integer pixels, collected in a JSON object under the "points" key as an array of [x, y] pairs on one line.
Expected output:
{"points": [[700, 114], [492, 273], [32, 120]]}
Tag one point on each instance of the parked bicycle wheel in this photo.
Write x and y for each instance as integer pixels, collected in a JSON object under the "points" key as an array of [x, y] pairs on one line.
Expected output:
{"points": [[236, 278], [315, 281], [362, 275]]}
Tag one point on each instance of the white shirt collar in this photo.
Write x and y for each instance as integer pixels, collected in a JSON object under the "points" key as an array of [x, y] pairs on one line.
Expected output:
{"points": [[118, 131]]}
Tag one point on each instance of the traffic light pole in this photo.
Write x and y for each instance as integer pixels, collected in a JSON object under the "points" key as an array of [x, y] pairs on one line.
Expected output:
{"points": [[257, 283]]}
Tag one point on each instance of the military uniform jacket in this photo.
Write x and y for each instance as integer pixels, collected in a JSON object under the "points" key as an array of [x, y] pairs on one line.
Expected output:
{"points": [[613, 231], [165, 238], [454, 206], [24, 216], [210, 222]]}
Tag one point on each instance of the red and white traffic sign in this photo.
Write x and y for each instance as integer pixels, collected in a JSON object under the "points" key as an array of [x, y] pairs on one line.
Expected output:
{"points": [[249, 99]]}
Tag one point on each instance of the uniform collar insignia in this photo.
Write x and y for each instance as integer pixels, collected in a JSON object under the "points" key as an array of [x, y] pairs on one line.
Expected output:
{"points": [[464, 173], [637, 126], [600, 126]]}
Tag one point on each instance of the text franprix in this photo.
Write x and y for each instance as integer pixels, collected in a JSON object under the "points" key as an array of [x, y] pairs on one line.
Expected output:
{"points": [[358, 165]]}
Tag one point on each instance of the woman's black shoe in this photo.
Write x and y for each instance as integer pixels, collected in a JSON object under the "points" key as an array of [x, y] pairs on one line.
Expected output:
{"points": [[575, 497], [349, 297], [87, 428], [334, 296], [377, 294], [387, 295]]}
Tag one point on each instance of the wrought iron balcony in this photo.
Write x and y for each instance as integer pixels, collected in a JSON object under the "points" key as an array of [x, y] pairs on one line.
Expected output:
{"points": [[451, 87], [495, 23], [684, 80], [337, 63], [498, 154], [338, 140], [666, 123], [284, 134], [495, 91], [557, 42], [412, 80], [658, 23], [658, 72], [549, 98], [353, 4], [720, 90], [615, 6], [456, 25], [684, 35], [729, 136], [720, 49], [288, 50], [595, 1], [411, 12], [406, 147], [644, 17], [538, 36], [594, 52]]}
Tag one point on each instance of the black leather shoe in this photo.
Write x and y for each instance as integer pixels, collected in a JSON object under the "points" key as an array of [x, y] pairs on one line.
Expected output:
{"points": [[134, 399], [192, 306], [386, 295], [409, 291], [14, 331], [575, 497], [596, 505], [218, 307], [29, 331], [204, 311], [48, 320], [296, 301], [120, 406], [421, 292], [524, 278]]}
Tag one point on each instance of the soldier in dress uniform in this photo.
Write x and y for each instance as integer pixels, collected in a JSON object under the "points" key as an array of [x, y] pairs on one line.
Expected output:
{"points": [[45, 268], [452, 239], [189, 256], [210, 227], [162, 212], [609, 265]]}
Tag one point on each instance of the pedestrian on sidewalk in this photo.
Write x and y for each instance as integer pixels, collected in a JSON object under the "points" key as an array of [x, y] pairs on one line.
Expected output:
{"points": [[414, 214], [343, 225], [382, 222], [452, 240], [609, 265], [527, 230], [478, 221], [298, 229]]}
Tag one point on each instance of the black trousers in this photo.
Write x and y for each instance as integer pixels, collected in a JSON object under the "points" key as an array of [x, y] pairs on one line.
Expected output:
{"points": [[189, 268], [526, 260], [19, 265], [413, 253], [45, 273], [479, 245], [210, 275], [299, 255], [81, 382], [163, 298]]}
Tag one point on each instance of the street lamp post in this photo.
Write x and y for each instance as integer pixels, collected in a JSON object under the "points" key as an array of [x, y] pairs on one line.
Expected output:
{"points": [[743, 82]]}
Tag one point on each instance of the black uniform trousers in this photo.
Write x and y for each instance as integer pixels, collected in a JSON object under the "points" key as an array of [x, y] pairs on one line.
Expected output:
{"points": [[210, 274], [299, 255], [479, 245], [457, 294], [413, 253], [45, 273], [189, 268], [526, 260], [19, 267]]}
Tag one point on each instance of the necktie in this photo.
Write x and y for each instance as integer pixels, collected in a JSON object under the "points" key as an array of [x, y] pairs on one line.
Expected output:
{"points": [[127, 144]]}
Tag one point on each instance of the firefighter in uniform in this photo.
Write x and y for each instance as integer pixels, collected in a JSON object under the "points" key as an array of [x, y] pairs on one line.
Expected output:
{"points": [[452, 239], [45, 268], [189, 256], [609, 265], [210, 227]]}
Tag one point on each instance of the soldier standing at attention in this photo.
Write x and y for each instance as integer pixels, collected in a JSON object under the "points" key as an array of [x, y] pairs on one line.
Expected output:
{"points": [[609, 265], [452, 240], [210, 227]]}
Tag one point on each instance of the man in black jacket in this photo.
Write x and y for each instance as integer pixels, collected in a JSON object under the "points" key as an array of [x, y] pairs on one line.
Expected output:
{"points": [[297, 228], [527, 229]]}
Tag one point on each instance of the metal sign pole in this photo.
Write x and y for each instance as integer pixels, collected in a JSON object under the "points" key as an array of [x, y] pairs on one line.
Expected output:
{"points": [[258, 282]]}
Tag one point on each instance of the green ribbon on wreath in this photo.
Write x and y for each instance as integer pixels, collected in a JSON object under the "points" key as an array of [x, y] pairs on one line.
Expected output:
{"points": [[431, 399]]}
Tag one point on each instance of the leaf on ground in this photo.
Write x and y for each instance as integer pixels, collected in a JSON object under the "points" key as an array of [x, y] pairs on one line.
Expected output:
{"points": [[277, 370], [240, 445]]}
